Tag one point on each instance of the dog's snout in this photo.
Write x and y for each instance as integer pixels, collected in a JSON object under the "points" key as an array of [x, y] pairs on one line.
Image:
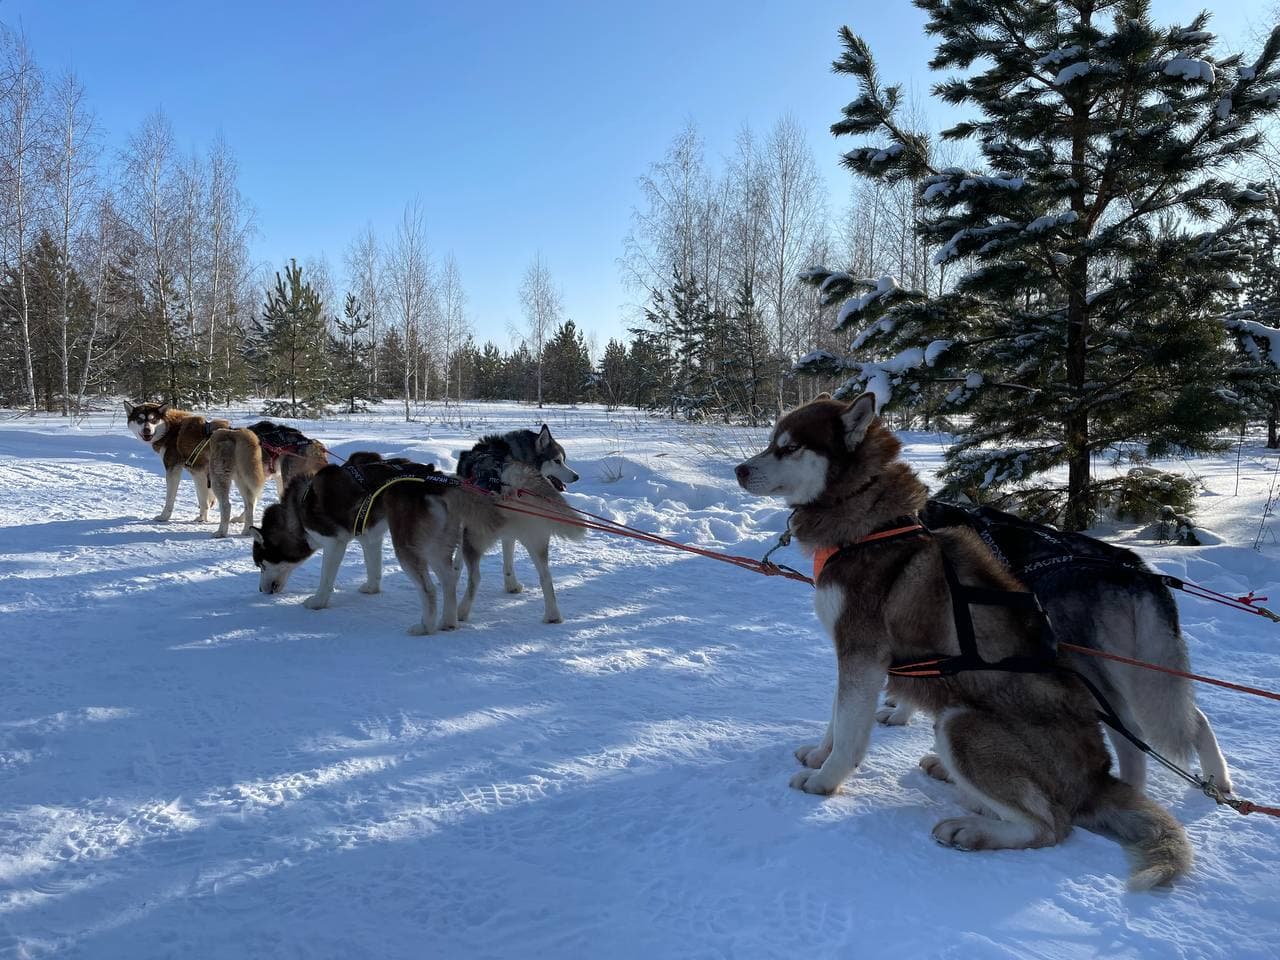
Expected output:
{"points": [[742, 471]]}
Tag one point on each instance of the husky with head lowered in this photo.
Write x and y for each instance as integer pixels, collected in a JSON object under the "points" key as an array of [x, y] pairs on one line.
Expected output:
{"points": [[1024, 749], [182, 439], [361, 500], [433, 518], [516, 465]]}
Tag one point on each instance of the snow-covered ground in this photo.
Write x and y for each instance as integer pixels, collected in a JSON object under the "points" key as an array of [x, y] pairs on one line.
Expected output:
{"points": [[191, 769]]}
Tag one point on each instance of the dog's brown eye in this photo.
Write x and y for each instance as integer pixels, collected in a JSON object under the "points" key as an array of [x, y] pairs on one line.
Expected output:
{"points": [[789, 449]]}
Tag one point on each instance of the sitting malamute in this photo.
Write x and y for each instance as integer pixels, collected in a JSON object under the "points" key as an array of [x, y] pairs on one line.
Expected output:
{"points": [[1109, 601], [1025, 750], [182, 439]]}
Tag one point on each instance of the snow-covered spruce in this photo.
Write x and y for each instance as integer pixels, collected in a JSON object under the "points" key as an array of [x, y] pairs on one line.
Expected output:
{"points": [[1059, 228]]}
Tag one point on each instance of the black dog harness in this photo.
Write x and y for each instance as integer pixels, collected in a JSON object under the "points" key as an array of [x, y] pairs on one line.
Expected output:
{"points": [[402, 471], [1043, 661], [963, 596]]}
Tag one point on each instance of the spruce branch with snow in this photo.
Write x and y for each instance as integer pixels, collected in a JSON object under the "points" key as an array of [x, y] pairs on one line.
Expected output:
{"points": [[1102, 230]]}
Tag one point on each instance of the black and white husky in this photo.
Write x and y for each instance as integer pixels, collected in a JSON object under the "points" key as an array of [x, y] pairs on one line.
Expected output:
{"points": [[359, 501], [513, 466]]}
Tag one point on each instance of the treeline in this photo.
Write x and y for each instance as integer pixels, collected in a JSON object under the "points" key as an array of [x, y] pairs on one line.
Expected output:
{"points": [[122, 273]]}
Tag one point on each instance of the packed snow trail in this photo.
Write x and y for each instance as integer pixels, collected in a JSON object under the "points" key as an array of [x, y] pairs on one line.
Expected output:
{"points": [[191, 769]]}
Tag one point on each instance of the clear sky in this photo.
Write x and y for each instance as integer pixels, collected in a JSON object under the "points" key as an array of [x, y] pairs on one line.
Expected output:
{"points": [[520, 126]]}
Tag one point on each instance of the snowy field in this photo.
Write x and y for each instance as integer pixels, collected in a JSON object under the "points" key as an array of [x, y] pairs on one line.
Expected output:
{"points": [[191, 769]]}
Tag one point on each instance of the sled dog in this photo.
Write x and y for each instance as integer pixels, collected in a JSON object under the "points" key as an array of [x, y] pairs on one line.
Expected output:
{"points": [[506, 464], [1109, 601], [1024, 749], [248, 456], [182, 439], [288, 453], [360, 500]]}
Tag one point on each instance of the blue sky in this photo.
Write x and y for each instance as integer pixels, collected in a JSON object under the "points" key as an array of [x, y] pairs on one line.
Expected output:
{"points": [[520, 126]]}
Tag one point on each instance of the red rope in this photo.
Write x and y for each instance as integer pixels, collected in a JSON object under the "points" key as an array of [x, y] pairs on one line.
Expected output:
{"points": [[604, 525], [1247, 807], [1089, 651], [1246, 604], [616, 528]]}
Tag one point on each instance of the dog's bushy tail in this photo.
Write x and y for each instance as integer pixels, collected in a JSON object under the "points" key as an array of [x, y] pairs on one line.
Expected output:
{"points": [[1153, 838]]}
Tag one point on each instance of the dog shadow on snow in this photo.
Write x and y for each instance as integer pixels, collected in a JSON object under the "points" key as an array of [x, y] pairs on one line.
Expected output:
{"points": [[111, 532], [608, 773]]}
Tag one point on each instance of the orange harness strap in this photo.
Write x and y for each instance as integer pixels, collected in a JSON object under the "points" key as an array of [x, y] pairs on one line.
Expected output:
{"points": [[823, 555]]}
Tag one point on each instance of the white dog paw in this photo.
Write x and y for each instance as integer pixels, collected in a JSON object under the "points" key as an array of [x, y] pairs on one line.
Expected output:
{"points": [[932, 764], [421, 630], [219, 534], [316, 603], [961, 833], [897, 716], [553, 618], [812, 781], [449, 626], [812, 755], [513, 586], [160, 518], [370, 587]]}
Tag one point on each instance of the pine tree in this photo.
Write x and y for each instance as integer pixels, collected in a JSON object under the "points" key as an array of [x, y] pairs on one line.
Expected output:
{"points": [[677, 328], [520, 375], [689, 327], [350, 366], [163, 322], [488, 375], [649, 373], [1089, 321], [613, 374], [1256, 320], [391, 360], [295, 338], [747, 361], [566, 365]]}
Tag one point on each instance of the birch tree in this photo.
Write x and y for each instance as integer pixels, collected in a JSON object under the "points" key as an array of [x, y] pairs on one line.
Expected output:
{"points": [[100, 242], [152, 211], [365, 273], [454, 328], [24, 132], [410, 285], [795, 212], [228, 227], [542, 305], [72, 175]]}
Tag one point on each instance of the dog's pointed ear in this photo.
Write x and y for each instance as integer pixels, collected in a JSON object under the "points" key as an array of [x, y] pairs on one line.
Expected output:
{"points": [[544, 438], [162, 410], [128, 409], [257, 535], [857, 418]]}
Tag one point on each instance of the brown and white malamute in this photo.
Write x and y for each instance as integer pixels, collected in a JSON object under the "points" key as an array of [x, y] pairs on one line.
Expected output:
{"points": [[1025, 750], [182, 439]]}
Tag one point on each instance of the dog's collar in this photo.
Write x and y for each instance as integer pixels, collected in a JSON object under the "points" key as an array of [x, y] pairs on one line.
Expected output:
{"points": [[904, 528]]}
